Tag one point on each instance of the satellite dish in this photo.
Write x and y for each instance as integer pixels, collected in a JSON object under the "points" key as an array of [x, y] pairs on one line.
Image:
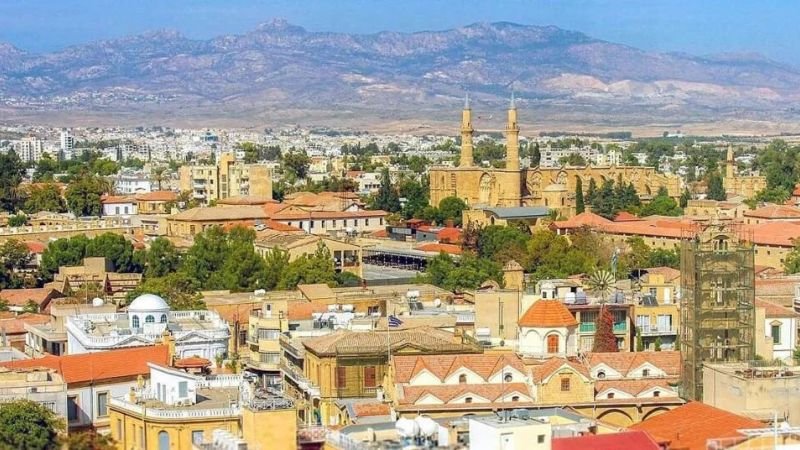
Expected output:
{"points": [[406, 427], [97, 301]]}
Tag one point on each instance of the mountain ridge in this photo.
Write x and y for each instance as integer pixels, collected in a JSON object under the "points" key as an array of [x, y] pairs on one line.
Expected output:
{"points": [[278, 65]]}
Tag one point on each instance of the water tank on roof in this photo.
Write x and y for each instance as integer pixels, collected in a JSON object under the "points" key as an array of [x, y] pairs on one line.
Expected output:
{"points": [[580, 298], [617, 297], [97, 301], [260, 292], [347, 308], [569, 298], [406, 427], [412, 294], [427, 426], [437, 302]]}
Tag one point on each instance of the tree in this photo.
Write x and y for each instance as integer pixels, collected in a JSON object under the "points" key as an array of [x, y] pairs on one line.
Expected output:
{"points": [[536, 155], [591, 191], [31, 307], [62, 252], [416, 197], [604, 339], [792, 262], [450, 208], [502, 244], [685, 197], [206, 256], [662, 257], [386, 198], [469, 273], [579, 205], [12, 170], [639, 340], [158, 174], [661, 205], [15, 255], [83, 196], [296, 163], [178, 289], [44, 198], [574, 159], [116, 249], [658, 344], [161, 259], [28, 425], [276, 261], [716, 191], [88, 440], [18, 220], [46, 168]]}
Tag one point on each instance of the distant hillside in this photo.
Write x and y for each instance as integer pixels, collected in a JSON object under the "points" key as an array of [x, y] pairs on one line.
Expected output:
{"points": [[279, 66]]}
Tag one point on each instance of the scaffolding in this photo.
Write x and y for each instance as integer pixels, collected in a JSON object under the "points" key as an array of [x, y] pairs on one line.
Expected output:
{"points": [[717, 300]]}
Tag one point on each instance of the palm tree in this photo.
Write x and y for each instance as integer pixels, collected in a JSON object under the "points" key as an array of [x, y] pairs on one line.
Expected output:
{"points": [[601, 282], [158, 174]]}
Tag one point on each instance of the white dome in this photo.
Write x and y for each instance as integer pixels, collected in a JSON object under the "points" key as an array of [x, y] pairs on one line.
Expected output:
{"points": [[148, 302]]}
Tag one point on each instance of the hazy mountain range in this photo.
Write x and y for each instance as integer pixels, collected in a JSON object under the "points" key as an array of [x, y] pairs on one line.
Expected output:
{"points": [[280, 72]]}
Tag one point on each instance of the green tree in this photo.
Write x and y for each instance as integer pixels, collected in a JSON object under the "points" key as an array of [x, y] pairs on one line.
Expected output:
{"points": [[716, 191], [3, 304], [591, 191], [206, 256], [450, 208], [658, 344], [469, 273], [347, 279], [639, 340], [30, 307], [12, 170], [386, 198], [276, 261], [116, 249], [161, 259], [661, 205], [296, 163], [416, 197], [15, 255], [62, 252], [502, 244], [83, 196], [18, 220], [574, 159], [178, 289], [792, 262], [88, 440], [604, 339], [28, 425], [44, 198], [662, 257], [579, 205], [309, 269], [46, 168], [536, 155], [685, 197]]}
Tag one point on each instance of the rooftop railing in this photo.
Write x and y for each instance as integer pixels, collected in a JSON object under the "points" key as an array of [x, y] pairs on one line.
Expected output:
{"points": [[175, 412]]}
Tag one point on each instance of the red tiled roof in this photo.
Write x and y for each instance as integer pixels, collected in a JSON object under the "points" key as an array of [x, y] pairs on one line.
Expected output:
{"points": [[635, 387], [549, 367], [773, 310], [448, 392], [584, 219], [774, 212], [367, 409], [106, 365], [436, 248], [20, 297], [16, 324], [157, 196], [547, 313], [111, 199], [35, 247], [449, 234], [690, 426], [192, 362], [624, 362], [441, 366], [796, 191], [302, 310], [638, 440], [625, 216], [280, 226], [379, 234]]}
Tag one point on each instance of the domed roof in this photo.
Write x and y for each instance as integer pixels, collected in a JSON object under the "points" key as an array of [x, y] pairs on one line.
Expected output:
{"points": [[547, 313], [148, 302]]}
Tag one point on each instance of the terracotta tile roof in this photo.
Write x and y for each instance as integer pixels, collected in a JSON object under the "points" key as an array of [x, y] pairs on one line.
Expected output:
{"points": [[552, 365], [635, 387], [773, 310], [669, 273], [638, 440], [690, 426], [36, 247], [796, 191], [240, 200], [16, 324], [441, 366], [20, 297], [367, 409], [220, 213], [438, 248], [106, 365], [547, 313], [776, 233], [449, 392], [584, 219], [328, 214], [625, 216], [781, 287], [379, 234], [425, 339], [111, 200], [280, 226], [303, 310], [624, 362], [157, 196], [774, 212]]}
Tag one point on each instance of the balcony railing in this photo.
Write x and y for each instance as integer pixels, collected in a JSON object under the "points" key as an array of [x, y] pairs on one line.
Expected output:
{"points": [[589, 327], [647, 329], [302, 382], [175, 413]]}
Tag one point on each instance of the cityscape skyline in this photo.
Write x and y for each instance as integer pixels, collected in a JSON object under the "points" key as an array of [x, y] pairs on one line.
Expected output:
{"points": [[707, 28]]}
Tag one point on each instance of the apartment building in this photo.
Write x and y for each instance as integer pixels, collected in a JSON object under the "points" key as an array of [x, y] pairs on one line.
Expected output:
{"points": [[228, 178]]}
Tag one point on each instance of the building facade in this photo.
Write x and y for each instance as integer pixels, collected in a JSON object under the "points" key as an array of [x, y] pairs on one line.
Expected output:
{"points": [[228, 178]]}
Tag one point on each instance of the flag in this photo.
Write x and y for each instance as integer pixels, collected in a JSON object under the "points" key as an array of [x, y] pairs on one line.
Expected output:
{"points": [[394, 322]]}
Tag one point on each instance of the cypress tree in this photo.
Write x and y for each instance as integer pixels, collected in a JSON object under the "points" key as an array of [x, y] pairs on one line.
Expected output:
{"points": [[604, 339], [579, 204]]}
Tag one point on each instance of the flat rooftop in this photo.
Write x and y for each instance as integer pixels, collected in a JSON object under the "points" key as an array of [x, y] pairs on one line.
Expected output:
{"points": [[206, 399]]}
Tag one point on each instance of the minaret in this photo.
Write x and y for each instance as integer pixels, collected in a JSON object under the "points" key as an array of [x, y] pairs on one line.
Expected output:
{"points": [[512, 137], [466, 134], [730, 164]]}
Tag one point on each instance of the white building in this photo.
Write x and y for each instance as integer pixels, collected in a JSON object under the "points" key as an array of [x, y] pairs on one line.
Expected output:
{"points": [[780, 326], [132, 183], [119, 206], [495, 432], [196, 333], [67, 141], [29, 149], [548, 329]]}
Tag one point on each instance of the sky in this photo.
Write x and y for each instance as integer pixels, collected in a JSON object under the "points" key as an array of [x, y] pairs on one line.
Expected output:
{"points": [[698, 27]]}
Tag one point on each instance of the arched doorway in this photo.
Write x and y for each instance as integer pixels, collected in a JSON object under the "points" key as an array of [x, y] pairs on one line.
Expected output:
{"points": [[163, 440], [485, 190], [552, 343]]}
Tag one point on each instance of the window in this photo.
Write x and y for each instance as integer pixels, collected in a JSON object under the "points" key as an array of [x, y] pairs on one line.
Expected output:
{"points": [[119, 430], [135, 322], [462, 379], [116, 210], [341, 377], [540, 439], [183, 389], [776, 334], [102, 404], [601, 374], [366, 222], [268, 334], [149, 319], [312, 224], [72, 408], [163, 318], [552, 343], [610, 395], [645, 372], [468, 400], [242, 337], [197, 437], [163, 440], [565, 384], [270, 358], [370, 378], [515, 398], [656, 393], [508, 378]]}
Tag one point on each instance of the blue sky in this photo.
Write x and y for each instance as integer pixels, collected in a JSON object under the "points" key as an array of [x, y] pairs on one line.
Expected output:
{"points": [[693, 26]]}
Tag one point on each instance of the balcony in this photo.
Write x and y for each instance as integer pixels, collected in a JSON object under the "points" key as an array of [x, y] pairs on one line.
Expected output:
{"points": [[589, 327], [654, 330], [268, 366], [175, 413], [300, 380]]}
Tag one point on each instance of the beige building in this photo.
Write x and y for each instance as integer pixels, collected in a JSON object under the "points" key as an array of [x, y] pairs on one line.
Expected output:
{"points": [[757, 392], [513, 186], [745, 186], [346, 256], [228, 178]]}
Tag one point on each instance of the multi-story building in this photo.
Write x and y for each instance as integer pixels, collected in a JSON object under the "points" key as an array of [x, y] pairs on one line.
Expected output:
{"points": [[67, 141], [178, 410], [266, 327], [352, 364], [346, 256], [50, 338], [657, 313], [147, 319], [228, 178], [29, 149], [38, 384], [93, 379], [586, 315], [96, 274], [127, 183], [780, 326], [717, 302]]}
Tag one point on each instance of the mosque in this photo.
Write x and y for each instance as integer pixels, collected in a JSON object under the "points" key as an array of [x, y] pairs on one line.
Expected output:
{"points": [[514, 186]]}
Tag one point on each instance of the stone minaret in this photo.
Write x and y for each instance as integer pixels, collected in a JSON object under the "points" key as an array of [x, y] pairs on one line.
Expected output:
{"points": [[466, 135], [512, 137], [730, 165]]}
